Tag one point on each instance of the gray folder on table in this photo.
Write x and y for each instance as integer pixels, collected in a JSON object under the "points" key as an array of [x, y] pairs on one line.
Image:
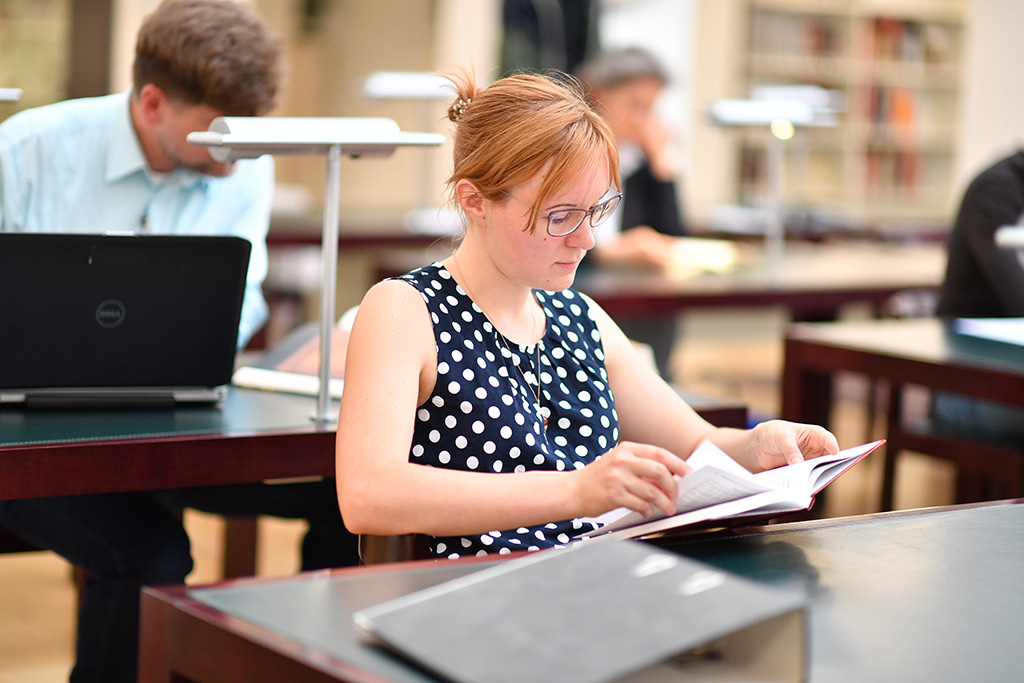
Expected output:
{"points": [[602, 610], [133, 320]]}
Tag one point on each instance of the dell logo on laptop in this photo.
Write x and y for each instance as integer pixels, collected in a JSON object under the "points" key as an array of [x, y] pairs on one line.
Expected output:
{"points": [[110, 313]]}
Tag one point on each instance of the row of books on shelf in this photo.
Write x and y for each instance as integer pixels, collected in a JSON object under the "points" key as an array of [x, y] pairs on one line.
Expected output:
{"points": [[893, 173], [782, 33], [910, 41], [879, 38], [885, 172], [893, 110]]}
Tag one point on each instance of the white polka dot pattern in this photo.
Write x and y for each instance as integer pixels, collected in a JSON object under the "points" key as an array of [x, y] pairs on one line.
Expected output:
{"points": [[482, 417]]}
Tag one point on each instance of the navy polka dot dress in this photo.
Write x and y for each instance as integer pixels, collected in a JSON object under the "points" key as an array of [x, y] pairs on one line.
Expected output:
{"points": [[483, 414]]}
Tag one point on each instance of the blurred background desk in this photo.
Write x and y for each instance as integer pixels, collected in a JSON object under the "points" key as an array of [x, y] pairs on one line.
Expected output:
{"points": [[879, 609], [919, 352], [814, 278]]}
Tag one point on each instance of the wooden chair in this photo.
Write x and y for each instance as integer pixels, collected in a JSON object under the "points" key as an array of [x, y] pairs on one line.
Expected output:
{"points": [[986, 470], [380, 549]]}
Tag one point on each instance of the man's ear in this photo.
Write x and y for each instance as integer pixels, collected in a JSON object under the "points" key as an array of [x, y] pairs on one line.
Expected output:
{"points": [[470, 200], [152, 104]]}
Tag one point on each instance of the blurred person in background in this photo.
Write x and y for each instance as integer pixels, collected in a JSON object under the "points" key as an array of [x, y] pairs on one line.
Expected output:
{"points": [[624, 85]]}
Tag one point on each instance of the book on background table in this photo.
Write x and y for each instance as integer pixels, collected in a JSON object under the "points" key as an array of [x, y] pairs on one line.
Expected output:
{"points": [[720, 489], [1003, 330], [293, 365], [597, 611]]}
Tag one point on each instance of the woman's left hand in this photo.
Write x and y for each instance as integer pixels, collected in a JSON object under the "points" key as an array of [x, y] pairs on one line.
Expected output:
{"points": [[776, 443]]}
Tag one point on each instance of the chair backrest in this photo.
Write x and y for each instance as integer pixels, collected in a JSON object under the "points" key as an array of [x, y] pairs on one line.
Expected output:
{"points": [[401, 548]]}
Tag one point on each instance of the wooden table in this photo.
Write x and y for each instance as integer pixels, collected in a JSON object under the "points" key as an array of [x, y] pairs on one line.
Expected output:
{"points": [[923, 352], [918, 596], [251, 436], [918, 352], [814, 280]]}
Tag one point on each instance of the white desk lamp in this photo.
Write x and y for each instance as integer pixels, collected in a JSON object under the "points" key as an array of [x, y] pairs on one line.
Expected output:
{"points": [[243, 137], [782, 110]]}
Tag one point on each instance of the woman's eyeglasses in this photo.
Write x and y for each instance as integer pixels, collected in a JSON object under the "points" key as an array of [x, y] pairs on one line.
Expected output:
{"points": [[565, 221]]}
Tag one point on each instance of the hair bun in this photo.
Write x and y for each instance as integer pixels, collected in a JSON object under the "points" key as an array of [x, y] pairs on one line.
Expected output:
{"points": [[458, 108]]}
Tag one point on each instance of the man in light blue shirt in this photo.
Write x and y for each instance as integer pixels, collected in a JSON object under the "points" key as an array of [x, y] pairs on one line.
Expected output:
{"points": [[122, 163], [80, 166]]}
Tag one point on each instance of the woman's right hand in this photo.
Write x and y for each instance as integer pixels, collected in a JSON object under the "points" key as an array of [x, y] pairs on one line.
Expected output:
{"points": [[632, 475]]}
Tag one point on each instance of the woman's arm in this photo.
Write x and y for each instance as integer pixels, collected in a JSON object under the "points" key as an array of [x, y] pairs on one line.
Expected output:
{"points": [[650, 411], [390, 369]]}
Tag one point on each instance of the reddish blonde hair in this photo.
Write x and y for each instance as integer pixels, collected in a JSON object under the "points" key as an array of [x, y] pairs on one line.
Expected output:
{"points": [[507, 132]]}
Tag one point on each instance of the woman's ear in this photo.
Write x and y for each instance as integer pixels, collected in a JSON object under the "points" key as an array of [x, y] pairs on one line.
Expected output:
{"points": [[470, 201]]}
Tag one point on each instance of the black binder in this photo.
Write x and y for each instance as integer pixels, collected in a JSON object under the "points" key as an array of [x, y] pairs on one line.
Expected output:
{"points": [[601, 610]]}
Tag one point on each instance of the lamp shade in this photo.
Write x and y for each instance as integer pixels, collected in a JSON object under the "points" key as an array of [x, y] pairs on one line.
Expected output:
{"points": [[246, 137]]}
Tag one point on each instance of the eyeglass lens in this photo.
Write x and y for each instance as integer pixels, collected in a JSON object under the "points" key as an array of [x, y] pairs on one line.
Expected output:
{"points": [[561, 223]]}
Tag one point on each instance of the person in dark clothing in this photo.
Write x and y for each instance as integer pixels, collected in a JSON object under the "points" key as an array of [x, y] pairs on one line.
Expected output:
{"points": [[541, 35], [623, 86], [984, 281]]}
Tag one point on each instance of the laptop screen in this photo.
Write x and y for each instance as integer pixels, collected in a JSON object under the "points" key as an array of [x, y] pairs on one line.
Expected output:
{"points": [[152, 313]]}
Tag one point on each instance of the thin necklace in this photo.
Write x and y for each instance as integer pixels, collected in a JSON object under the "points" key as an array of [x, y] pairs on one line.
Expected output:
{"points": [[545, 414]]}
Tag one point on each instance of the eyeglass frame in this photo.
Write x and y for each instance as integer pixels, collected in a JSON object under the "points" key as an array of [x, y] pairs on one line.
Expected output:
{"points": [[587, 213]]}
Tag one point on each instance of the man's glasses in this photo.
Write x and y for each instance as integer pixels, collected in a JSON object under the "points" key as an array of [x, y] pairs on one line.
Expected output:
{"points": [[565, 221]]}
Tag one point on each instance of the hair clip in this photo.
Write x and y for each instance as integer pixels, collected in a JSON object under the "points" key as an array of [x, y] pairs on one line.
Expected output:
{"points": [[456, 111]]}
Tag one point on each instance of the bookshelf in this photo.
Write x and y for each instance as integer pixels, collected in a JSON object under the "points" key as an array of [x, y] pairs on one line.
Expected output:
{"points": [[896, 65]]}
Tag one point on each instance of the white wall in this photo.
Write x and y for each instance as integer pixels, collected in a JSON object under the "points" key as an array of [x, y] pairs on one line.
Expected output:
{"points": [[992, 114]]}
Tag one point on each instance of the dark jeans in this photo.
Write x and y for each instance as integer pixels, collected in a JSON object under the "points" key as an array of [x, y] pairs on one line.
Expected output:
{"points": [[124, 541], [127, 540]]}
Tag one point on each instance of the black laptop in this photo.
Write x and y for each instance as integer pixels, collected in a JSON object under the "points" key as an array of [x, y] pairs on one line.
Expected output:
{"points": [[125, 320]]}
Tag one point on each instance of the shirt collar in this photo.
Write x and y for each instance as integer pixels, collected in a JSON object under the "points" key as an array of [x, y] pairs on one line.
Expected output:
{"points": [[124, 153]]}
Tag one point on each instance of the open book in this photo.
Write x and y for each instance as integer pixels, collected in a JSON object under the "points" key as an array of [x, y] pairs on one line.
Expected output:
{"points": [[719, 488]]}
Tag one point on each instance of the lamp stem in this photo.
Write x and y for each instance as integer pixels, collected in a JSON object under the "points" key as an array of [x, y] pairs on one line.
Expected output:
{"points": [[775, 231], [329, 278]]}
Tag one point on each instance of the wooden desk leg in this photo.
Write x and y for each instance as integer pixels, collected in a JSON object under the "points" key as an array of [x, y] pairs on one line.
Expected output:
{"points": [[154, 655], [240, 536], [806, 395], [893, 427]]}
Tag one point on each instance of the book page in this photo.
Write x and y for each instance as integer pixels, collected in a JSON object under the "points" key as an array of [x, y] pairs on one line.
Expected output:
{"points": [[814, 474], [718, 480]]}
